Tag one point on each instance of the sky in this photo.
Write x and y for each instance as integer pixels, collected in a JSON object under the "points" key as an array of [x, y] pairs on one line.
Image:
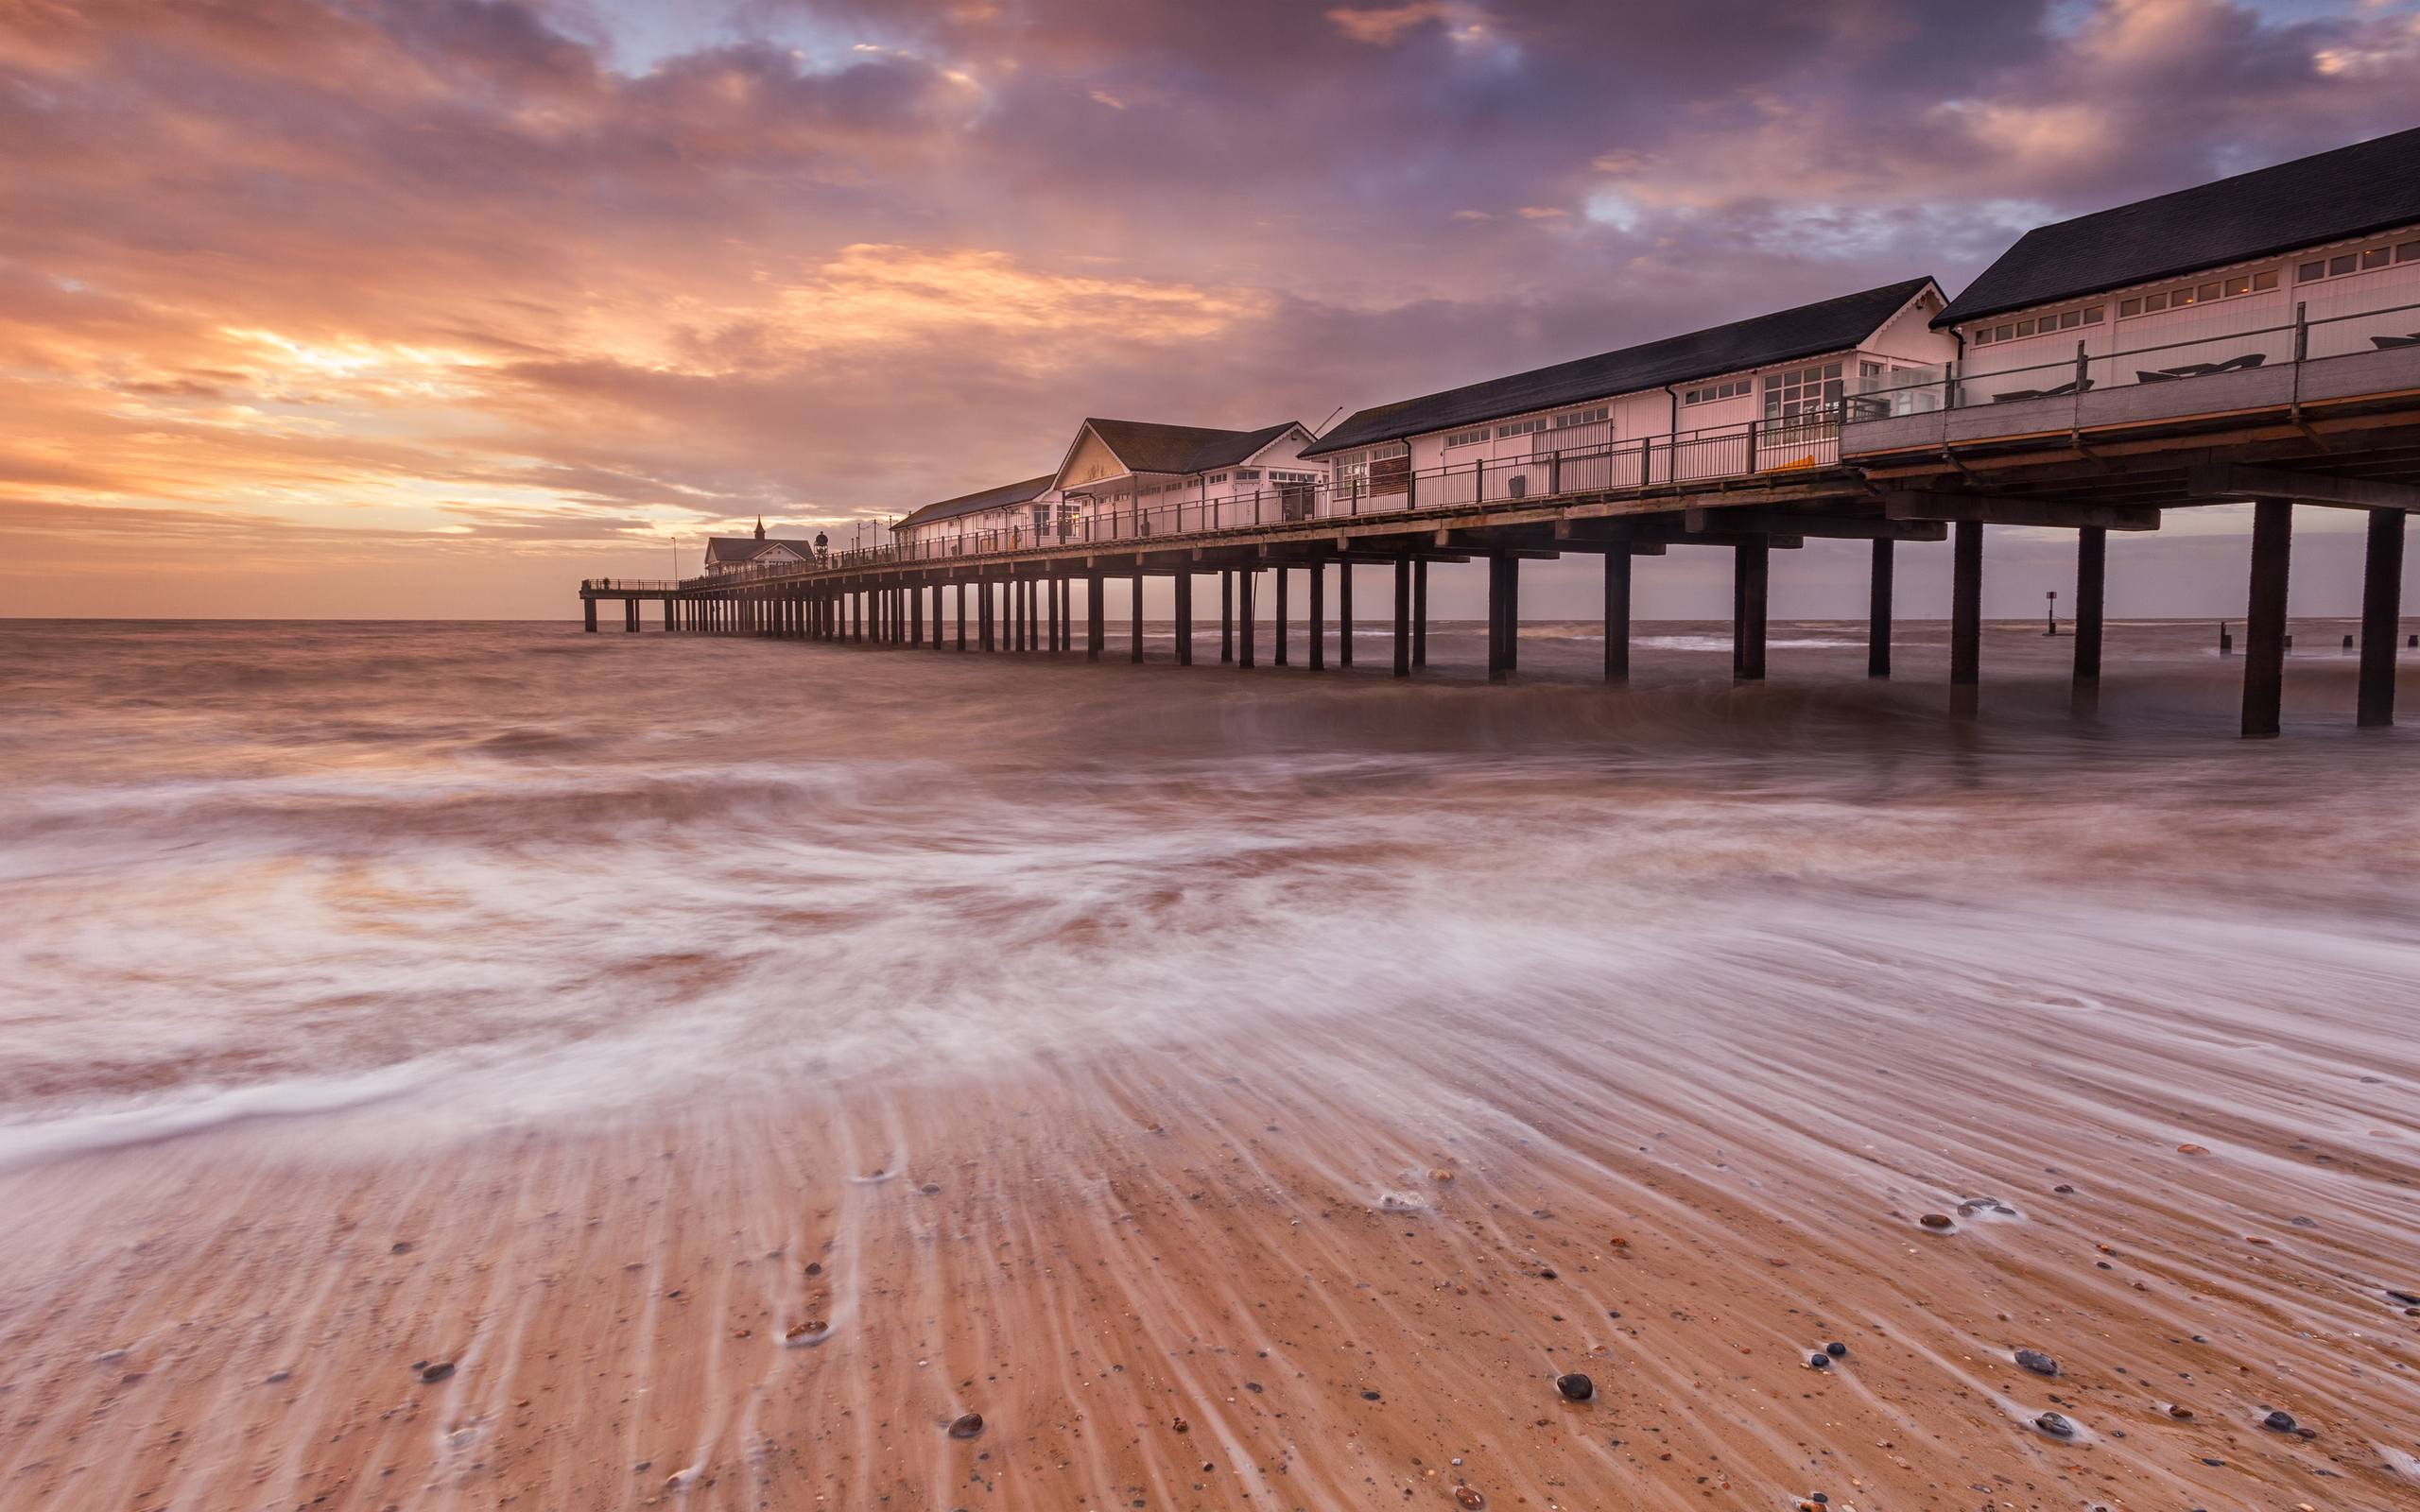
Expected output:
{"points": [[429, 308]]}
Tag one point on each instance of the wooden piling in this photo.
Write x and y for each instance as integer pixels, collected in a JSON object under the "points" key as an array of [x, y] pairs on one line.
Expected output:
{"points": [[1226, 615], [1617, 615], [1245, 624], [1318, 617], [2092, 572], [1345, 614], [1403, 617], [2382, 616], [1277, 638], [1878, 611], [2264, 629], [1095, 632], [588, 614], [1965, 618], [1184, 617], [1420, 613], [1751, 577], [1135, 621]]}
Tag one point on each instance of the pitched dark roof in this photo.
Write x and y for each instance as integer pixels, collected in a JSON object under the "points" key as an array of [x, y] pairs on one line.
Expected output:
{"points": [[966, 504], [1828, 325], [2369, 186], [1148, 448], [731, 550]]}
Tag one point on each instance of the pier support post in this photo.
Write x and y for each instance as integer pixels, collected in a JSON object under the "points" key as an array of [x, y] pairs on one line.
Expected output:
{"points": [[2382, 617], [2092, 573], [1243, 613], [1403, 618], [1617, 615], [2264, 630], [1750, 576], [1277, 640], [1345, 614], [588, 614], [1503, 617], [1318, 616], [667, 616], [1965, 618], [1051, 628], [1094, 633], [1183, 616], [1878, 611], [916, 617], [629, 616], [1134, 620], [961, 614], [1226, 615], [1420, 613]]}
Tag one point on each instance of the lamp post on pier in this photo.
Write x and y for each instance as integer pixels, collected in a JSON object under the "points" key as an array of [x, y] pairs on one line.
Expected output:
{"points": [[2051, 627]]}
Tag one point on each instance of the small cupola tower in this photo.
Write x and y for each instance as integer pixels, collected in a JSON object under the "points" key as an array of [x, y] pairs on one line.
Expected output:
{"points": [[760, 528]]}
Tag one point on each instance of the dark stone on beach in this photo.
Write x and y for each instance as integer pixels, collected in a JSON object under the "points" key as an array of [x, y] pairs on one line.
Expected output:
{"points": [[815, 1267], [2035, 1361], [1252, 1386], [1369, 1396], [438, 1371], [966, 1425], [2054, 1425], [1180, 1425], [2183, 1415], [1819, 1362], [278, 1377], [2279, 1422], [930, 1187], [1837, 1351], [1546, 1275], [1575, 1388], [400, 1246], [1935, 1220], [2064, 1190], [2407, 1298], [1467, 1496]]}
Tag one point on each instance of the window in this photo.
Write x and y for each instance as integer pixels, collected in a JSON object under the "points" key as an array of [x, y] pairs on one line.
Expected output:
{"points": [[1215, 477], [1583, 417], [1801, 390], [1728, 388], [1466, 438], [2225, 288], [1247, 474], [1869, 370], [1275, 476], [2407, 253], [1520, 427], [2083, 315]]}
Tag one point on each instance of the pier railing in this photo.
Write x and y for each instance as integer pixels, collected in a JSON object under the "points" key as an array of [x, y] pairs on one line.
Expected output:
{"points": [[1792, 444], [2216, 343]]}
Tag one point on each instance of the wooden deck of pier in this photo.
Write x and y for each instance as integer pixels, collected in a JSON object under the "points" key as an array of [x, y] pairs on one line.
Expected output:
{"points": [[2344, 434]]}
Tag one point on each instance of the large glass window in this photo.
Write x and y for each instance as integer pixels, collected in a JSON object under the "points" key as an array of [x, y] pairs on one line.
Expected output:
{"points": [[1802, 392]]}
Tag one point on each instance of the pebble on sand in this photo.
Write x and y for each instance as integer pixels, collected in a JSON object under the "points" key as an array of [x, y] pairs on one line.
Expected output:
{"points": [[966, 1425], [2279, 1422], [1937, 1221], [2035, 1361], [1819, 1362], [2055, 1425], [1575, 1387], [1468, 1496], [810, 1332], [437, 1371], [1837, 1351]]}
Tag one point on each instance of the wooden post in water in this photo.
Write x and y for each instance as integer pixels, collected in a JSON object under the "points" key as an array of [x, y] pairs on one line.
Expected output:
{"points": [[1344, 613], [1965, 618], [961, 613], [1617, 614], [1499, 616], [1184, 616], [2092, 572], [1420, 613], [2264, 627], [1277, 641], [1134, 619], [1877, 613], [2382, 616], [1094, 633], [1244, 576], [1750, 576], [1403, 617], [588, 615], [1226, 615], [1318, 616]]}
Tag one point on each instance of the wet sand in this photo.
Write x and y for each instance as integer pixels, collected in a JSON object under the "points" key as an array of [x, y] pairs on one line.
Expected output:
{"points": [[1654, 1083]]}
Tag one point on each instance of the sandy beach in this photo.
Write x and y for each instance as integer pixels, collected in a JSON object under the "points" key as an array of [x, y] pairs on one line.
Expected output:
{"points": [[1290, 1168]]}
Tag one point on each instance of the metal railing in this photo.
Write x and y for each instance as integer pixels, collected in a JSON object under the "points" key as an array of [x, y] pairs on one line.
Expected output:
{"points": [[2219, 343], [637, 585], [1796, 443]]}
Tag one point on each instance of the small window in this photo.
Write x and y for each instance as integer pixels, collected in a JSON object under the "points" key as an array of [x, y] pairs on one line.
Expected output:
{"points": [[1247, 474], [2024, 328], [1520, 427], [2374, 257], [1386, 451], [1869, 370], [2179, 298], [2092, 315], [2005, 333], [2265, 281], [2154, 303], [2310, 272], [1983, 337], [2210, 291], [2345, 262], [1466, 438], [2240, 283], [1581, 417], [2407, 253], [1215, 477], [2129, 307]]}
